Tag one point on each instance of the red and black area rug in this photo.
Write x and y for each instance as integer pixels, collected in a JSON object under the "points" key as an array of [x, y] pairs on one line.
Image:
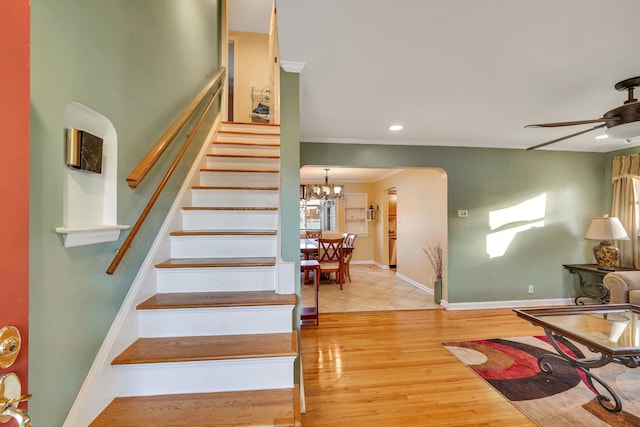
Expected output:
{"points": [[566, 397]]}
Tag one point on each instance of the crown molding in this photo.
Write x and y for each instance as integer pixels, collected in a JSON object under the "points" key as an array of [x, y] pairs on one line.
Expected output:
{"points": [[292, 66]]}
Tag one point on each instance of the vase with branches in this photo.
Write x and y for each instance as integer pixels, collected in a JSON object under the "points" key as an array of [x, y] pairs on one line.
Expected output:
{"points": [[435, 257]]}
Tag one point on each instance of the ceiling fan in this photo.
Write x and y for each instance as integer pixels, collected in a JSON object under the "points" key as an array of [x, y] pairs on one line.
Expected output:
{"points": [[622, 122]]}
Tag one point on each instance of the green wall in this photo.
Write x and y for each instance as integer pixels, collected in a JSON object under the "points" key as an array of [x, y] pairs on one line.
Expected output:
{"points": [[139, 63], [486, 180]]}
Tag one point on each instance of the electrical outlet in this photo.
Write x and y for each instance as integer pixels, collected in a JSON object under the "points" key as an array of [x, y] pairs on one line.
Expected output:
{"points": [[463, 213], [530, 289]]}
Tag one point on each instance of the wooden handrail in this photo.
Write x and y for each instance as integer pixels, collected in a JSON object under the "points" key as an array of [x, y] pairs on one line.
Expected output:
{"points": [[142, 169], [145, 212]]}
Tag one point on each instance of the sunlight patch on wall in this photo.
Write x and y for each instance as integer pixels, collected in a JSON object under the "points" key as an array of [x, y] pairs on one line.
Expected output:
{"points": [[527, 211]]}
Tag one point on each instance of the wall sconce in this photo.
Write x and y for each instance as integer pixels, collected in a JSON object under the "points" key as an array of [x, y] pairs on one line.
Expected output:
{"points": [[372, 212]]}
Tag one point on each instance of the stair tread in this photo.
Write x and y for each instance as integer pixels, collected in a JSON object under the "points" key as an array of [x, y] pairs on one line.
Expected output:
{"points": [[228, 187], [237, 408], [218, 262], [208, 348], [224, 233], [215, 299]]}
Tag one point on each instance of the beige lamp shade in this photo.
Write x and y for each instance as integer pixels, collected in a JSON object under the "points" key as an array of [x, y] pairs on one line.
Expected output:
{"points": [[606, 228]]}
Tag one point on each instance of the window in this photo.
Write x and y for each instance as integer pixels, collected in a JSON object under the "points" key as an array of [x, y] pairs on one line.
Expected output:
{"points": [[318, 215]]}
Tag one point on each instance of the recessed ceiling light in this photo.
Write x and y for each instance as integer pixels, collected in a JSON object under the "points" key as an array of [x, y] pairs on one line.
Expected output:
{"points": [[395, 128], [603, 136]]}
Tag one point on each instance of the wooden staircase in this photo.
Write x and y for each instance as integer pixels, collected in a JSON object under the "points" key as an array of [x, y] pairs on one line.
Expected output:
{"points": [[216, 344]]}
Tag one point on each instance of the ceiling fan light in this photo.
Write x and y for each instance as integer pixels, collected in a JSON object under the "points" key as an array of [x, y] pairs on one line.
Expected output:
{"points": [[624, 131]]}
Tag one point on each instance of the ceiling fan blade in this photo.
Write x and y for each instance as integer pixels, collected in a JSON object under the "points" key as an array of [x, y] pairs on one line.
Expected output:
{"points": [[578, 122], [566, 137]]}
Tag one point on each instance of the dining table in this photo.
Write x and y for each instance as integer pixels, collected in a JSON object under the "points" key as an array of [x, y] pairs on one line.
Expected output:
{"points": [[309, 248]]}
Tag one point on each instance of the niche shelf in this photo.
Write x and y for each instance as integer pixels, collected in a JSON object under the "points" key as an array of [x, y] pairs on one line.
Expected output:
{"points": [[90, 199], [355, 213]]}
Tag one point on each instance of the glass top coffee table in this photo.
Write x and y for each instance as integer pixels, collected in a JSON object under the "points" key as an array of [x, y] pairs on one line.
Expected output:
{"points": [[612, 331]]}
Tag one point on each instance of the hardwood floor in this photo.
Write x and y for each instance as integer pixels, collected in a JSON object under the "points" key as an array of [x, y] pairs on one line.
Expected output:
{"points": [[389, 369]]}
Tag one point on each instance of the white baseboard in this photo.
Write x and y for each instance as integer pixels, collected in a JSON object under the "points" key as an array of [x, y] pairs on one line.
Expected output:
{"points": [[509, 304], [417, 285]]}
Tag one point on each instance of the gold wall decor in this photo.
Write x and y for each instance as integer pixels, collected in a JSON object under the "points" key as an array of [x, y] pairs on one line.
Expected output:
{"points": [[83, 151]]}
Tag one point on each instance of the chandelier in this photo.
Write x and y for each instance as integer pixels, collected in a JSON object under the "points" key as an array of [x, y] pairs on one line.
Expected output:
{"points": [[324, 191]]}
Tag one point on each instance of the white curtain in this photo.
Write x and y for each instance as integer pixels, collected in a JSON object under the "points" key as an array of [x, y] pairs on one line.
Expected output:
{"points": [[626, 178]]}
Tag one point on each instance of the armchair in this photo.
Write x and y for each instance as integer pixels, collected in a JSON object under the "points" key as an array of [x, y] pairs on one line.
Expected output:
{"points": [[623, 286]]}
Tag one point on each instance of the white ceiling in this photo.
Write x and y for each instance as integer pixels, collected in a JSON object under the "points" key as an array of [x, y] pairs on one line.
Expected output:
{"points": [[249, 16], [459, 72]]}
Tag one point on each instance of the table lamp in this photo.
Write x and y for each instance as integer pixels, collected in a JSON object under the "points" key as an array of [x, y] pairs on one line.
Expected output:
{"points": [[606, 228]]}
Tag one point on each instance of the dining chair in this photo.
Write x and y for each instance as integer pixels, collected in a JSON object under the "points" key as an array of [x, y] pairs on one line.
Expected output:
{"points": [[313, 234], [349, 241], [330, 257]]}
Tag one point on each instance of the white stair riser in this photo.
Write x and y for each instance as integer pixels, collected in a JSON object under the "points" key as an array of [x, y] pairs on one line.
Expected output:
{"points": [[202, 377], [251, 163], [225, 220], [215, 279], [236, 198], [215, 321], [239, 127], [244, 150], [252, 139], [248, 179], [223, 246]]}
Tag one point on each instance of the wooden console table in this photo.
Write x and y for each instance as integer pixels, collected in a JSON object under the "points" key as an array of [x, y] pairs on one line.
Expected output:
{"points": [[592, 290]]}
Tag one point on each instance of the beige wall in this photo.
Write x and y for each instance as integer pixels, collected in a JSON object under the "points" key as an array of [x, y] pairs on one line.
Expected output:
{"points": [[422, 221], [251, 53]]}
